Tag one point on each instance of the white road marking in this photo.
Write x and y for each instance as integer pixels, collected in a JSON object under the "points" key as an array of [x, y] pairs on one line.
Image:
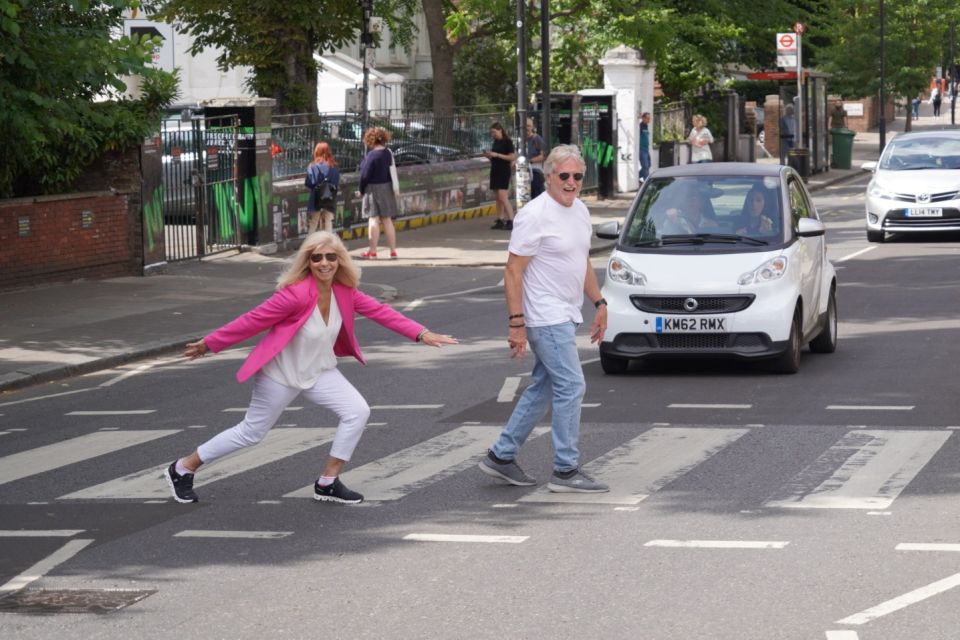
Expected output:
{"points": [[37, 571], [246, 535], [139, 370], [401, 473], [719, 544], [244, 409], [589, 405], [449, 537], [52, 456], [509, 389], [132, 412], [502, 505], [149, 483], [197, 426], [407, 406], [416, 303], [869, 407], [842, 635], [709, 406], [40, 533], [47, 397], [927, 546], [874, 467], [646, 464], [901, 602], [854, 254]]}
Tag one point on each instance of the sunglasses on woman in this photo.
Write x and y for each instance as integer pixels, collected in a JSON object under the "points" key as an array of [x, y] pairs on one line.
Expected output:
{"points": [[566, 176], [317, 257]]}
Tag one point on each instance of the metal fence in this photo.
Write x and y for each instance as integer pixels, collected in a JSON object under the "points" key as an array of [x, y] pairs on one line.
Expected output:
{"points": [[416, 138]]}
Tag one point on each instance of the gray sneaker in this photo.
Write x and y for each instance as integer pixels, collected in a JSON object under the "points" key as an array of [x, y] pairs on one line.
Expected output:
{"points": [[506, 471], [575, 481]]}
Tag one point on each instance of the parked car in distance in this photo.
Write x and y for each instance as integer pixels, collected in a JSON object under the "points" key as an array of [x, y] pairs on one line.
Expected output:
{"points": [[721, 260], [406, 153], [916, 185]]}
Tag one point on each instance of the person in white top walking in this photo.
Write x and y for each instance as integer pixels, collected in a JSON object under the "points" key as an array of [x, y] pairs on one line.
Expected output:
{"points": [[548, 271], [700, 140]]}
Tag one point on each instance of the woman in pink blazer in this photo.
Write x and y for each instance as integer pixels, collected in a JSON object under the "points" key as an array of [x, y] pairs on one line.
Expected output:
{"points": [[309, 322]]}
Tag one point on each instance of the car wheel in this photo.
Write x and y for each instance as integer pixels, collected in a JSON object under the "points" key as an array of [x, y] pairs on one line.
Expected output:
{"points": [[613, 365], [874, 236], [826, 341], [789, 360]]}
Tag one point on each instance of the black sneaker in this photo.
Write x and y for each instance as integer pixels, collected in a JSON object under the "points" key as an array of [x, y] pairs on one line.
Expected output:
{"points": [[508, 225], [180, 485], [336, 492], [498, 224]]}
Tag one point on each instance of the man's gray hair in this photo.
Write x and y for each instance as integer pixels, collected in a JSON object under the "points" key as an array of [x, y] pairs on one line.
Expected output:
{"points": [[560, 154]]}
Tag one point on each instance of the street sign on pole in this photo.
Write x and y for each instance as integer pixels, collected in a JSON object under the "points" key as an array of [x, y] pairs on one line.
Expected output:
{"points": [[786, 50]]}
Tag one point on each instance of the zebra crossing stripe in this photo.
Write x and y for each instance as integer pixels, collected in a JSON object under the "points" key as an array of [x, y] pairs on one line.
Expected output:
{"points": [[148, 484], [874, 467], [646, 464], [400, 473], [52, 456]]}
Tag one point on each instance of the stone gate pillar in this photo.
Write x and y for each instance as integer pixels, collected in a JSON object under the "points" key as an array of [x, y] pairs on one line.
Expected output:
{"points": [[631, 77]]}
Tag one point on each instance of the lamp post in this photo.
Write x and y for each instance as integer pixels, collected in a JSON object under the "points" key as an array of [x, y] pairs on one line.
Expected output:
{"points": [[522, 183], [366, 41], [545, 73]]}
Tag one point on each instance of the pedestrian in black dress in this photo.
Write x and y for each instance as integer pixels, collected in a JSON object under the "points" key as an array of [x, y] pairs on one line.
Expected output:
{"points": [[501, 157]]}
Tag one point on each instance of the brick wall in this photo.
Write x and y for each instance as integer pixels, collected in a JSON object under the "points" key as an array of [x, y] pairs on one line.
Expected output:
{"points": [[67, 237]]}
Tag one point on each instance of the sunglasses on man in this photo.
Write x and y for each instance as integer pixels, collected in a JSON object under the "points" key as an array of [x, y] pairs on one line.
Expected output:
{"points": [[566, 176], [317, 257]]}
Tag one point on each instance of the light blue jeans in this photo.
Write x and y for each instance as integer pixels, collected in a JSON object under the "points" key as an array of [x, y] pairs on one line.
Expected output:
{"points": [[558, 384]]}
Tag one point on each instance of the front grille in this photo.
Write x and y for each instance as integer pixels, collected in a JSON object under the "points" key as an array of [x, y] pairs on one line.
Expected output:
{"points": [[934, 197], [650, 343], [705, 304]]}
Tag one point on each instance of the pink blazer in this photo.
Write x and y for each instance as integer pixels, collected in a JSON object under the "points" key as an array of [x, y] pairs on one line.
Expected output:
{"points": [[289, 308]]}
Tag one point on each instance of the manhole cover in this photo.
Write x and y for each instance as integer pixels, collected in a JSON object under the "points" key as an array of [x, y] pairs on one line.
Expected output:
{"points": [[50, 601]]}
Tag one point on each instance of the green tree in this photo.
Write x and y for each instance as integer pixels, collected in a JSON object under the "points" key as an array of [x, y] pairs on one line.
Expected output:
{"points": [[61, 90], [278, 40]]}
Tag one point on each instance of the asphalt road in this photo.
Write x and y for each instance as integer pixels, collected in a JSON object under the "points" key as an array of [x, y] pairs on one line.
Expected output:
{"points": [[746, 505]]}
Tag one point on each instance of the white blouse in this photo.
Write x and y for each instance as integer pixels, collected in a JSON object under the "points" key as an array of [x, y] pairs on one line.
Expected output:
{"points": [[309, 353]]}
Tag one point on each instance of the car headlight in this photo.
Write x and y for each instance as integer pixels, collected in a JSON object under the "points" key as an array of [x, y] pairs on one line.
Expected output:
{"points": [[876, 191], [770, 270], [620, 271]]}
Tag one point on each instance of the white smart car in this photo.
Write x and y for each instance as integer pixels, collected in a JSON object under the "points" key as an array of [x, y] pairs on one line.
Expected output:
{"points": [[916, 185], [721, 259]]}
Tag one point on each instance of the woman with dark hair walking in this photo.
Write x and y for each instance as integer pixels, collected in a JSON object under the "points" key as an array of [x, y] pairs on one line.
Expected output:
{"points": [[501, 157], [309, 323], [379, 202]]}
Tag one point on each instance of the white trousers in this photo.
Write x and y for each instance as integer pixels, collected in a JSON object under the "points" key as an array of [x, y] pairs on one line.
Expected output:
{"points": [[270, 398]]}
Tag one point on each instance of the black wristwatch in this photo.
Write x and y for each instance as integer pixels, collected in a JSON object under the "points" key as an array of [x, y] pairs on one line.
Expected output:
{"points": [[599, 302]]}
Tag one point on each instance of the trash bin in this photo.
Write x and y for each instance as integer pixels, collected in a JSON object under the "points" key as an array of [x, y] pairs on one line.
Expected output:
{"points": [[842, 148], [799, 160]]}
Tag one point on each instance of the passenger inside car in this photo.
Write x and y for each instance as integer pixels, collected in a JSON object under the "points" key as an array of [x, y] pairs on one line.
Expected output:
{"points": [[759, 216], [692, 214]]}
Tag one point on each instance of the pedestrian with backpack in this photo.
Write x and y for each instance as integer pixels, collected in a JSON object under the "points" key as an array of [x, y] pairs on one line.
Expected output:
{"points": [[323, 180]]}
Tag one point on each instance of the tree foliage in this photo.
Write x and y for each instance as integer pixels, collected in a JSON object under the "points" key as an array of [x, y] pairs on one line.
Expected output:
{"points": [[278, 40], [61, 83]]}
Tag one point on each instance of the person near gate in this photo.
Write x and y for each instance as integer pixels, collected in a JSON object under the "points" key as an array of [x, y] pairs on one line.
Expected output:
{"points": [[547, 274], [309, 323], [534, 150], [323, 180], [838, 116], [501, 157], [644, 146], [700, 140]]}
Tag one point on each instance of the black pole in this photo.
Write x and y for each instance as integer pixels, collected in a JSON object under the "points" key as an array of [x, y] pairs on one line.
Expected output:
{"points": [[545, 127], [952, 74], [366, 41], [883, 117]]}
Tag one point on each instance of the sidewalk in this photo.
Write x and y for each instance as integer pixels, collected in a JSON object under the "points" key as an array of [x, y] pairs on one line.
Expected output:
{"points": [[55, 331]]}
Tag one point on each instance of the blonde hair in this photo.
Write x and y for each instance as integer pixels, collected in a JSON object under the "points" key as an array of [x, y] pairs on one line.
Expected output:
{"points": [[697, 118], [560, 154], [347, 272]]}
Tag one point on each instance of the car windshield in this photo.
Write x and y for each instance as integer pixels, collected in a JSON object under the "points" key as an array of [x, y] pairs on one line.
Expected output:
{"points": [[912, 154], [715, 210]]}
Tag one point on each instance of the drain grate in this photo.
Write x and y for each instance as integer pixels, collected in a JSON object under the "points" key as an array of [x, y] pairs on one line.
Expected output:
{"points": [[51, 601]]}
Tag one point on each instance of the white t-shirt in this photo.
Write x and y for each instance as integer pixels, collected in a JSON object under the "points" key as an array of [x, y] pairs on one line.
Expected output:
{"points": [[700, 153], [309, 353], [558, 240]]}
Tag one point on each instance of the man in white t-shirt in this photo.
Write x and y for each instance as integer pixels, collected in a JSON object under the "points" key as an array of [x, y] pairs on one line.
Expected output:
{"points": [[547, 273]]}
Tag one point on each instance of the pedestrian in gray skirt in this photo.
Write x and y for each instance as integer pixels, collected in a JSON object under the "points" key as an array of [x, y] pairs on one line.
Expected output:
{"points": [[379, 202]]}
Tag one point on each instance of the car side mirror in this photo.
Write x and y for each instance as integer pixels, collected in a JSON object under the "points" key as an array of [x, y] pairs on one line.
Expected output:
{"points": [[869, 166], [609, 230], [810, 228]]}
